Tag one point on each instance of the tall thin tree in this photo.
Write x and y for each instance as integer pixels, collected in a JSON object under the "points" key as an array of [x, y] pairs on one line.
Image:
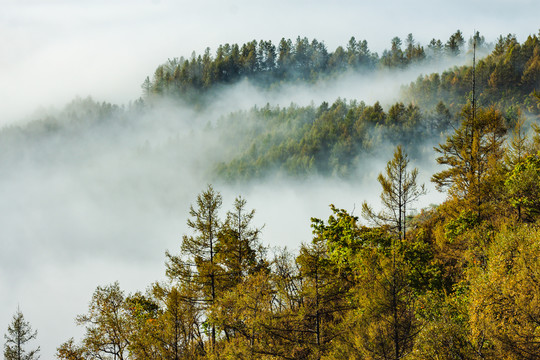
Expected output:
{"points": [[399, 190], [18, 334]]}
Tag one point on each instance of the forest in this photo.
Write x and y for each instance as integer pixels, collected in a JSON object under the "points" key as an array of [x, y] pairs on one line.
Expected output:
{"points": [[302, 60], [457, 280]]}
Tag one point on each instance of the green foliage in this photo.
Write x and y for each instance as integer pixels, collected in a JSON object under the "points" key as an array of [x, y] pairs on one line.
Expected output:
{"points": [[506, 77], [345, 238], [505, 298], [466, 221], [302, 60], [460, 283], [522, 186], [19, 333], [303, 141]]}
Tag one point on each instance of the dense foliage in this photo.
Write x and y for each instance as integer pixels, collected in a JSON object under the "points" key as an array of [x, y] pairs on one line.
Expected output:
{"points": [[455, 281], [268, 65], [325, 140], [508, 77]]}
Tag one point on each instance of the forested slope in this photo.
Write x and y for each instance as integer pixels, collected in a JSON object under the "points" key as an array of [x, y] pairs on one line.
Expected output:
{"points": [[506, 78], [454, 281], [319, 139], [268, 65]]}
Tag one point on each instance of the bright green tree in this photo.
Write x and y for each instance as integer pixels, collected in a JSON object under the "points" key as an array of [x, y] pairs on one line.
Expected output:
{"points": [[522, 186]]}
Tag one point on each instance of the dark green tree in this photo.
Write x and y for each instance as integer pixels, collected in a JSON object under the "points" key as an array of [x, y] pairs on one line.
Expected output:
{"points": [[455, 43]]}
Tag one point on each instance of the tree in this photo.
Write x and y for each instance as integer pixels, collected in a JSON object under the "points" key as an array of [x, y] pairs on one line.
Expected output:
{"points": [[435, 49], [388, 324], [176, 330], [201, 269], [454, 43], [246, 311], [239, 251], [522, 187], [18, 334], [324, 295], [399, 190], [394, 57], [505, 297], [107, 329], [442, 119], [519, 146], [70, 351], [146, 87], [473, 155]]}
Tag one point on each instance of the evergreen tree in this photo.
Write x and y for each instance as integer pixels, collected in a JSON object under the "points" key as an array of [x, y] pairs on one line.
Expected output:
{"points": [[455, 43], [19, 332]]}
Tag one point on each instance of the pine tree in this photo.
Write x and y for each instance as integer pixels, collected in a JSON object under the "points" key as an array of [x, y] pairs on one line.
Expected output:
{"points": [[18, 334]]}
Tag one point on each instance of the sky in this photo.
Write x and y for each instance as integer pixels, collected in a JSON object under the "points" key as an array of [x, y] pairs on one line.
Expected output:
{"points": [[66, 229], [54, 50]]}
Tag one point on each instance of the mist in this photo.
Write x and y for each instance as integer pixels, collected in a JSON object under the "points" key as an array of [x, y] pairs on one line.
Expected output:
{"points": [[56, 50], [103, 199]]}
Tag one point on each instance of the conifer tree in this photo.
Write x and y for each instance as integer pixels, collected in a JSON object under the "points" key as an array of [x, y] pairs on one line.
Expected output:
{"points": [[519, 146], [472, 155], [18, 334], [200, 269], [399, 190], [238, 249]]}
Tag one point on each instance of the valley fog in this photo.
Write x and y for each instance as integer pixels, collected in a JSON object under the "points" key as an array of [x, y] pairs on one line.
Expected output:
{"points": [[95, 190], [103, 198]]}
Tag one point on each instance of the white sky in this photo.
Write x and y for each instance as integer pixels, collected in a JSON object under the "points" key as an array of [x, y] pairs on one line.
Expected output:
{"points": [[52, 51]]}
